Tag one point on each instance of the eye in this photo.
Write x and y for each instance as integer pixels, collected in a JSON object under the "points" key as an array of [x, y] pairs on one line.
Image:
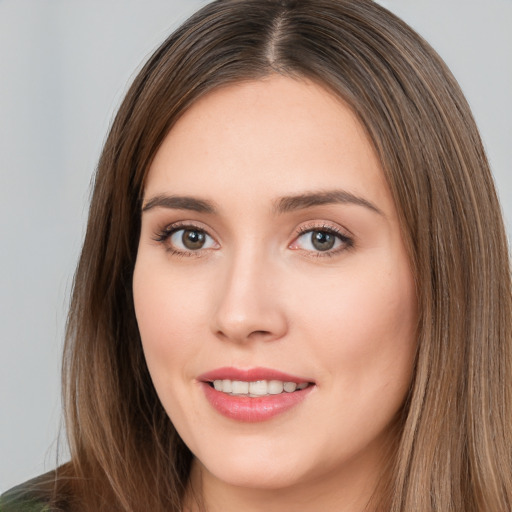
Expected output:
{"points": [[191, 240], [321, 240], [186, 239]]}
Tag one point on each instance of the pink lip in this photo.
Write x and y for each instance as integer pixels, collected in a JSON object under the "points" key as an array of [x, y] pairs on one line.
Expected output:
{"points": [[250, 375], [248, 409]]}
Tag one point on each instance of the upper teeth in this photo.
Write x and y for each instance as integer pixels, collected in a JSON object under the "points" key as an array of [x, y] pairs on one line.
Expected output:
{"points": [[256, 388]]}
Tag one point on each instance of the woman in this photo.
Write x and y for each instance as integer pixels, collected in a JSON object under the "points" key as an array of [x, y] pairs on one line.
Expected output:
{"points": [[294, 291]]}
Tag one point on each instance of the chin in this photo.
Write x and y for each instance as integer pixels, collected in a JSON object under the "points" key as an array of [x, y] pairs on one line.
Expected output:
{"points": [[265, 476], [255, 468]]}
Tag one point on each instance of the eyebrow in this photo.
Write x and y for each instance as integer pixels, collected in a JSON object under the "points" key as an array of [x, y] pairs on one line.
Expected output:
{"points": [[309, 200], [180, 203], [282, 205]]}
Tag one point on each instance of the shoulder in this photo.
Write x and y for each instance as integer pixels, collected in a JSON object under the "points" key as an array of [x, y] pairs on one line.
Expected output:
{"points": [[32, 496]]}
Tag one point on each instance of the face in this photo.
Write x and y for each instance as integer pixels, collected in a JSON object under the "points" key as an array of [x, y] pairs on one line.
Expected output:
{"points": [[272, 288]]}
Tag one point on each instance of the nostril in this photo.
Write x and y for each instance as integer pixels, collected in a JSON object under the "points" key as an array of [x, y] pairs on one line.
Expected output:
{"points": [[259, 333]]}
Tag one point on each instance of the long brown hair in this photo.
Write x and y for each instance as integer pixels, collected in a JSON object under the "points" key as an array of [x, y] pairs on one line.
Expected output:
{"points": [[454, 446]]}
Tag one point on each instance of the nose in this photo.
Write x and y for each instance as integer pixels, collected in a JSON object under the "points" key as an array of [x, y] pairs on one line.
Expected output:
{"points": [[248, 305]]}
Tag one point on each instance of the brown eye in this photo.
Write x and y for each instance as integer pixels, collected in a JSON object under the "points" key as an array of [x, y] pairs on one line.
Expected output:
{"points": [[322, 240], [193, 239], [190, 239]]}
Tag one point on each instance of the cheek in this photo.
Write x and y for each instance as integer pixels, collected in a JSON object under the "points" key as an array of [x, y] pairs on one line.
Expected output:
{"points": [[364, 324], [363, 309], [168, 317]]}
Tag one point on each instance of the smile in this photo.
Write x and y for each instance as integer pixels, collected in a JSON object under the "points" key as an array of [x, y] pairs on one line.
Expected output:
{"points": [[253, 395], [257, 388]]}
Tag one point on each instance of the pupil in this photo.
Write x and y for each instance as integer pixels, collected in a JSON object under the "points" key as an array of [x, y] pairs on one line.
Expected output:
{"points": [[322, 241], [193, 239]]}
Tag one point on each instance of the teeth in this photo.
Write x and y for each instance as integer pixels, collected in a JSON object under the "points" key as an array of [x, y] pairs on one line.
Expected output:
{"points": [[239, 387], [258, 387], [226, 386], [275, 387], [290, 387]]}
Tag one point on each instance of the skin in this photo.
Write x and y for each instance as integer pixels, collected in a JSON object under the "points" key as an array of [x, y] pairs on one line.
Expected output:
{"points": [[260, 294]]}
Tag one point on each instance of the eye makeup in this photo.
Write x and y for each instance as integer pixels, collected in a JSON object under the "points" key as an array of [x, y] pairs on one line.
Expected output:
{"points": [[321, 240], [317, 239], [185, 239]]}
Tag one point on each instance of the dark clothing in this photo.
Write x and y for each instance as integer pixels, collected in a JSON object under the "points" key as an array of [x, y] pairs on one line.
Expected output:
{"points": [[31, 496]]}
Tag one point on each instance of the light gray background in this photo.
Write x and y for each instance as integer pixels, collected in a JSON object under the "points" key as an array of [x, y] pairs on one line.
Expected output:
{"points": [[64, 66]]}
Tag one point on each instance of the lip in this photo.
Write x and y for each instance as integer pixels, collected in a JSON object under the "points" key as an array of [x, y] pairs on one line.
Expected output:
{"points": [[249, 409], [250, 375]]}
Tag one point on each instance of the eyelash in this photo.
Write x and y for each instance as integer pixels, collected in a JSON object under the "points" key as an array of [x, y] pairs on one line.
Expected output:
{"points": [[346, 242], [165, 234]]}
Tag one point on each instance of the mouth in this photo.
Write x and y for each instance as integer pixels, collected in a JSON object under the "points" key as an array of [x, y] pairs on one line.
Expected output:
{"points": [[254, 395], [257, 388]]}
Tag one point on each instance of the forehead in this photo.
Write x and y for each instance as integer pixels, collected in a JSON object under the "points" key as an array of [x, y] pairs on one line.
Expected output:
{"points": [[274, 136]]}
